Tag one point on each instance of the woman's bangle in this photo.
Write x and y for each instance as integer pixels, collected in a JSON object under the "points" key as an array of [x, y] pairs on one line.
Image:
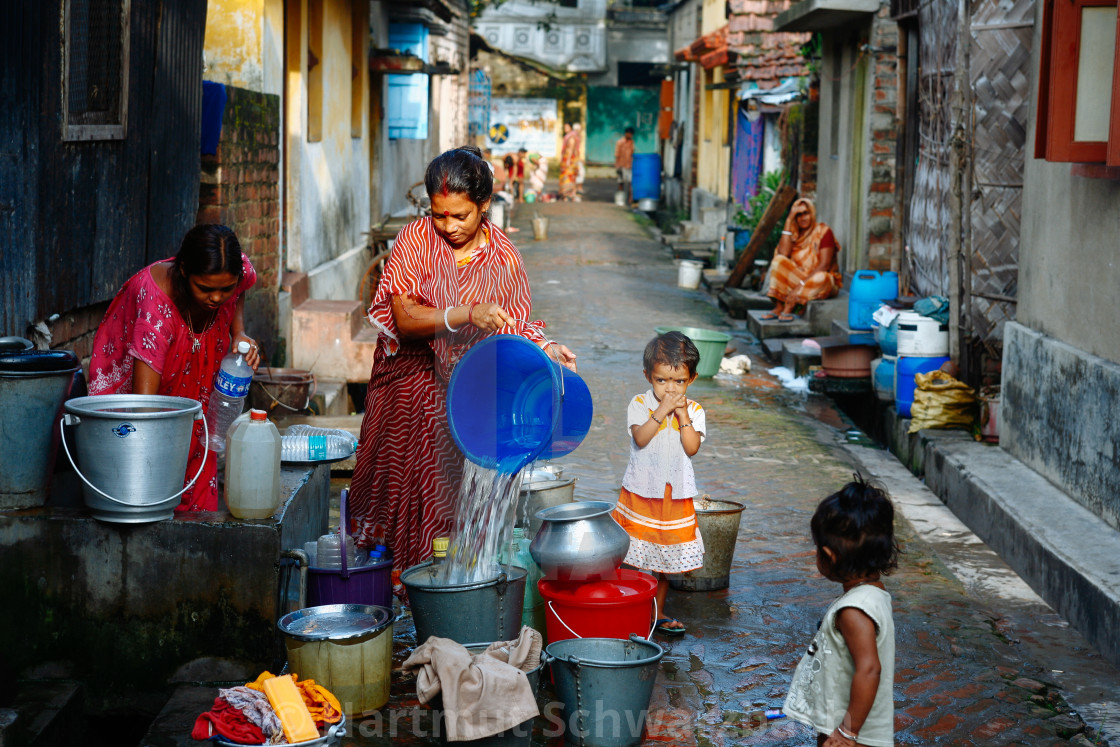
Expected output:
{"points": [[688, 425], [651, 417], [787, 233], [846, 734], [446, 323]]}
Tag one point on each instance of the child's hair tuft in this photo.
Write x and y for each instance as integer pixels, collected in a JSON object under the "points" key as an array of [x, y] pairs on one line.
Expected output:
{"points": [[857, 524], [672, 349]]}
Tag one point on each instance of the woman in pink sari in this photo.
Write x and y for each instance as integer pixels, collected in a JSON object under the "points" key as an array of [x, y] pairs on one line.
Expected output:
{"points": [[168, 329]]}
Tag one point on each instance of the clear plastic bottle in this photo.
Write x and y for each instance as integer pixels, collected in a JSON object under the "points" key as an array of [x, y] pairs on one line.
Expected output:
{"points": [[304, 448], [302, 429], [329, 555], [721, 255], [231, 387], [253, 468], [532, 608]]}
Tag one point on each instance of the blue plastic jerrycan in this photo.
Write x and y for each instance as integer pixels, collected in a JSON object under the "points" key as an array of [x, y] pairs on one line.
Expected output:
{"points": [[508, 403], [869, 288]]}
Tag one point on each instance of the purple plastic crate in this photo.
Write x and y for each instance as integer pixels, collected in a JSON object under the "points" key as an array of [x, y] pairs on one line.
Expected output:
{"points": [[367, 584]]}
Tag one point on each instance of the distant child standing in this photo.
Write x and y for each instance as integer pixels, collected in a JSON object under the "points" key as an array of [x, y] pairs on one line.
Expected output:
{"points": [[655, 502], [842, 686]]}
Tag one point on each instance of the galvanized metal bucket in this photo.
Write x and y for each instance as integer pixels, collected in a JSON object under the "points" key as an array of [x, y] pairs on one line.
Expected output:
{"points": [[466, 613], [133, 451], [33, 386], [605, 685], [719, 528]]}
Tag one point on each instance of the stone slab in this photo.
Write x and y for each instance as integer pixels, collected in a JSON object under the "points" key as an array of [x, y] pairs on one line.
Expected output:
{"points": [[1068, 554], [45, 713], [799, 357], [764, 329], [135, 605], [737, 302]]}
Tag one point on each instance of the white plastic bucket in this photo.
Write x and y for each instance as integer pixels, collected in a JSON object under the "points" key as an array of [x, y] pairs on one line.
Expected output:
{"points": [[688, 274], [921, 336]]}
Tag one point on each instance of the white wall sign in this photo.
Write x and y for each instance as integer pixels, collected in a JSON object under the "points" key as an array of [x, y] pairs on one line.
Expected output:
{"points": [[523, 123]]}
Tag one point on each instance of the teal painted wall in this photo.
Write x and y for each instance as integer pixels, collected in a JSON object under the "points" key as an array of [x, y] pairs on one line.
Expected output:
{"points": [[610, 110]]}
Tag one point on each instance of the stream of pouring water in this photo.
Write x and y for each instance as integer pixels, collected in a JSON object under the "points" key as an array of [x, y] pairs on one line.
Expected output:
{"points": [[483, 523]]}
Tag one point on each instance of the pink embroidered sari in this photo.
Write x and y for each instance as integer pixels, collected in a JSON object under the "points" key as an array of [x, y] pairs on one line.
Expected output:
{"points": [[143, 323]]}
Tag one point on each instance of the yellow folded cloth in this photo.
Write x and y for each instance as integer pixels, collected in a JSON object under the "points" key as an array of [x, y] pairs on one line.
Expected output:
{"points": [[321, 702]]}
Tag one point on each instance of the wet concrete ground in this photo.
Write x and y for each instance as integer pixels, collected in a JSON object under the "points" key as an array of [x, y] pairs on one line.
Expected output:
{"points": [[977, 664]]}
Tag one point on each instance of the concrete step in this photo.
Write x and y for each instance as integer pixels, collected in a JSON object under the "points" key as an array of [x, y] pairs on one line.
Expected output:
{"points": [[332, 397], [799, 357], [737, 301], [45, 713], [297, 285], [323, 340], [1067, 554], [714, 280], [172, 727], [766, 328]]}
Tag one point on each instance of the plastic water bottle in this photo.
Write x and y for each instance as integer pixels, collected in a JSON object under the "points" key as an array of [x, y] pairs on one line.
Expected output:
{"points": [[532, 607], [253, 468], [314, 448], [231, 387], [721, 255], [328, 552]]}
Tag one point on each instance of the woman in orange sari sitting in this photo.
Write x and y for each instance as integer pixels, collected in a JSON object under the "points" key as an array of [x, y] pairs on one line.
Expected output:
{"points": [[804, 265]]}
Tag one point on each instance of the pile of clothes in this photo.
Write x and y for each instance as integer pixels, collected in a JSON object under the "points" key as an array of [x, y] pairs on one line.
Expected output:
{"points": [[247, 715]]}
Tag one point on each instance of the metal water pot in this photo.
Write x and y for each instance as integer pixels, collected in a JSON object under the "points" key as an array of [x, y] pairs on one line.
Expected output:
{"points": [[579, 542]]}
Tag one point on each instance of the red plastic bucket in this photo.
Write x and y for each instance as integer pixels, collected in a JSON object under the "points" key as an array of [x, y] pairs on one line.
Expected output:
{"points": [[610, 608]]}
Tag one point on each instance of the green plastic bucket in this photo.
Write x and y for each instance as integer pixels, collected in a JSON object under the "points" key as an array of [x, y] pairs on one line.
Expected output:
{"points": [[710, 343]]}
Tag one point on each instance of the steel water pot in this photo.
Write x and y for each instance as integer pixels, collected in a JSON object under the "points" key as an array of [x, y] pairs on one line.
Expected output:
{"points": [[579, 541]]}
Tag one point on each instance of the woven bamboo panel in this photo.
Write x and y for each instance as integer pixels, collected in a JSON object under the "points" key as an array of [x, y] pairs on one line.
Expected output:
{"points": [[928, 235], [1001, 88]]}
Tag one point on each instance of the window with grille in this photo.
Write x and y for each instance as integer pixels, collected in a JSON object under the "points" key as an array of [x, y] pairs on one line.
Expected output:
{"points": [[95, 69]]}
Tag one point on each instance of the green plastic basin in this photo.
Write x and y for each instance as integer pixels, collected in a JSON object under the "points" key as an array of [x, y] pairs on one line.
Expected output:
{"points": [[709, 342]]}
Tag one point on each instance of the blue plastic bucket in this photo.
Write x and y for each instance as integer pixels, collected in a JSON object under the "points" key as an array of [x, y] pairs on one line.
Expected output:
{"points": [[508, 403], [905, 369], [869, 289], [646, 184]]}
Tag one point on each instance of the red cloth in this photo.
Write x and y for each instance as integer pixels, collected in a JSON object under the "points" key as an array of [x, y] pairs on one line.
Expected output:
{"points": [[227, 722], [143, 323], [408, 469]]}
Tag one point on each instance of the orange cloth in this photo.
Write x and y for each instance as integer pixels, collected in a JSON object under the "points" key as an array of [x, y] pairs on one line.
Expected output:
{"points": [[320, 701], [793, 278], [659, 520]]}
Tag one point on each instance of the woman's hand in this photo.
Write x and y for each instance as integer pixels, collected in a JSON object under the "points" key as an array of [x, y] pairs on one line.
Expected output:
{"points": [[562, 355], [253, 357], [489, 316]]}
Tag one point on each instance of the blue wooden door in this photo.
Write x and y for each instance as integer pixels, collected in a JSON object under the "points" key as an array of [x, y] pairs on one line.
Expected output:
{"points": [[408, 94]]}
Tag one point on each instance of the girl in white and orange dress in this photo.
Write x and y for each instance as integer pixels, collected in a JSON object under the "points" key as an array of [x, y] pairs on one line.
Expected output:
{"points": [[655, 503]]}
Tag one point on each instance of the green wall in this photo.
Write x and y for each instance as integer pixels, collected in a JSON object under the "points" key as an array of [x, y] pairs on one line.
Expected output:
{"points": [[610, 110]]}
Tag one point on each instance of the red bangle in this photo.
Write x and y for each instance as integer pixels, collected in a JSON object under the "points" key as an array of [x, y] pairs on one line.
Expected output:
{"points": [[470, 314]]}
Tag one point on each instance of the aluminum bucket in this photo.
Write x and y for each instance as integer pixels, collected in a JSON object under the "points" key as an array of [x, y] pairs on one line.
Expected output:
{"points": [[539, 495], [131, 452], [605, 685], [466, 613], [719, 528], [33, 386]]}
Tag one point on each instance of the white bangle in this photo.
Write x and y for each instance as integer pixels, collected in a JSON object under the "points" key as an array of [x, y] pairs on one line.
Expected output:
{"points": [[846, 734], [446, 323], [787, 233]]}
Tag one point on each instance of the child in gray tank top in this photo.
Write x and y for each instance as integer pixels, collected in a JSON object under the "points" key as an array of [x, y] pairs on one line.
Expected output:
{"points": [[842, 686]]}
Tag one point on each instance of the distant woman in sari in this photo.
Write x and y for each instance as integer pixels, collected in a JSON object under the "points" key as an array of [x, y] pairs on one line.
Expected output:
{"points": [[569, 161], [804, 265]]}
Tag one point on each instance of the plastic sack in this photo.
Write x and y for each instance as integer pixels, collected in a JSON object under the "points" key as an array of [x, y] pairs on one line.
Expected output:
{"points": [[940, 401]]}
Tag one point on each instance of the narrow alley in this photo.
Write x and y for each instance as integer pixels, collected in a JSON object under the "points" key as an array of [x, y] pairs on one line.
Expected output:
{"points": [[969, 670]]}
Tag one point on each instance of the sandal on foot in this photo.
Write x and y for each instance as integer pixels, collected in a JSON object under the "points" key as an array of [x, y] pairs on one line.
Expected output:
{"points": [[768, 316], [663, 628], [786, 317]]}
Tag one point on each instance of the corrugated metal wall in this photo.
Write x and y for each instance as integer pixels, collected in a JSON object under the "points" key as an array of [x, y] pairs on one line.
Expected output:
{"points": [[78, 218]]}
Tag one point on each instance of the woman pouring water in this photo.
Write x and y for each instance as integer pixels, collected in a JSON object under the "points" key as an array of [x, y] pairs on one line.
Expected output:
{"points": [[453, 279]]}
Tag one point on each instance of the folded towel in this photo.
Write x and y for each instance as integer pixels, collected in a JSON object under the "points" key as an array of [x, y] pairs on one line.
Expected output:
{"points": [[482, 695]]}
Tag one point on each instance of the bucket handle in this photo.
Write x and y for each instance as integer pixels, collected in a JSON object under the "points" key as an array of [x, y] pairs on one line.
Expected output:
{"points": [[68, 419], [342, 530], [577, 635]]}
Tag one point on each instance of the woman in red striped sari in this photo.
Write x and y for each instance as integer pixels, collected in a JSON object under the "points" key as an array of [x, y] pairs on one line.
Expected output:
{"points": [[451, 280]]}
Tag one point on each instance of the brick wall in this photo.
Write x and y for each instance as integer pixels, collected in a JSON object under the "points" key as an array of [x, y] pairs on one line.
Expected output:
{"points": [[883, 223], [240, 187]]}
